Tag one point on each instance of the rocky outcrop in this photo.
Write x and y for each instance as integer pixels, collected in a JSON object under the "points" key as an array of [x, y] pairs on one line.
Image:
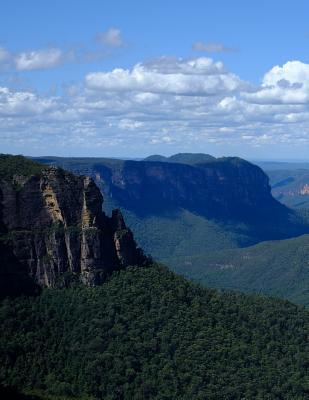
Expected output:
{"points": [[53, 230]]}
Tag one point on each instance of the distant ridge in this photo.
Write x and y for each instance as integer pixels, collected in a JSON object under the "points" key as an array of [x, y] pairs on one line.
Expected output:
{"points": [[183, 158]]}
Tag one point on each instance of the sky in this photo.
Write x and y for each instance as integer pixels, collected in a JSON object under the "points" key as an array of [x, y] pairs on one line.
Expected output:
{"points": [[133, 78]]}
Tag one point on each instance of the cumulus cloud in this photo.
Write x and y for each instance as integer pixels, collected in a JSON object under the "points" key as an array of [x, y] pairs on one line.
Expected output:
{"points": [[39, 59], [23, 103], [292, 71], [112, 37], [211, 47], [201, 77], [288, 84]]}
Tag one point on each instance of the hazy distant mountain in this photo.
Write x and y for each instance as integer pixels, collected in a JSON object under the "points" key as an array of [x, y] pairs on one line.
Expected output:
{"points": [[282, 165], [183, 158], [290, 186]]}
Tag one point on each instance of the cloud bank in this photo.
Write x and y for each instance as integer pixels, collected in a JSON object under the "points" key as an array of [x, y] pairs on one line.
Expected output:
{"points": [[182, 104], [199, 77]]}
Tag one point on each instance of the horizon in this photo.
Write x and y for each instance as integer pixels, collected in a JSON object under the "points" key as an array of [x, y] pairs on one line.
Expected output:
{"points": [[141, 158], [130, 80]]}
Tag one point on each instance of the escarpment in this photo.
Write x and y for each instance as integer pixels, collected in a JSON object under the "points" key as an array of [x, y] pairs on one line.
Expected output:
{"points": [[53, 230], [224, 189], [229, 191]]}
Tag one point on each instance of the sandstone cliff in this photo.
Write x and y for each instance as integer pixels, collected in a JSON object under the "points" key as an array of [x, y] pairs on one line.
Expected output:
{"points": [[228, 190], [53, 229]]}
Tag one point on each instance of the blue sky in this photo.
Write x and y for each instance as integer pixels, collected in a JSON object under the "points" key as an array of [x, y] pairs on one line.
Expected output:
{"points": [[132, 78]]}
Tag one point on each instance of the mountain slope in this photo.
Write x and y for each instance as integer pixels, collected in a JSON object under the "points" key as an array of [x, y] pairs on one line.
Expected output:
{"points": [[279, 268], [148, 334]]}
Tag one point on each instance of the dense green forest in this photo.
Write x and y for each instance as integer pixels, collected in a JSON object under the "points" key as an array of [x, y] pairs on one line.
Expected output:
{"points": [[11, 166], [149, 334], [278, 268], [182, 233]]}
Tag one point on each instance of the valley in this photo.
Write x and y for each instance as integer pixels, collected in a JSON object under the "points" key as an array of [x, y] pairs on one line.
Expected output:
{"points": [[189, 210], [86, 315]]}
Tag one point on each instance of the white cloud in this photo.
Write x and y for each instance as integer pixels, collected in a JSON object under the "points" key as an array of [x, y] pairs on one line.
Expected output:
{"points": [[112, 37], [211, 47], [39, 59], [288, 84], [146, 98], [21, 104], [199, 77], [292, 71], [128, 124]]}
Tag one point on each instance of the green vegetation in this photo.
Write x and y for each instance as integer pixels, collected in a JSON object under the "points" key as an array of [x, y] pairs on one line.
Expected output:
{"points": [[149, 334], [11, 166], [279, 268], [182, 233], [10, 393]]}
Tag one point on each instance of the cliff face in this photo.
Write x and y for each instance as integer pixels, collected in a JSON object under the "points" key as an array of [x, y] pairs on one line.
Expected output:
{"points": [[53, 227], [228, 188], [230, 191]]}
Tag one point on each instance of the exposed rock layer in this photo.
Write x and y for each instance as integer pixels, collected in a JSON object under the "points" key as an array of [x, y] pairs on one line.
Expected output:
{"points": [[228, 190], [53, 228]]}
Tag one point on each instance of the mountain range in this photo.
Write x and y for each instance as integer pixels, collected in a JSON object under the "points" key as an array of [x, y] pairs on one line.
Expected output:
{"points": [[187, 210]]}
